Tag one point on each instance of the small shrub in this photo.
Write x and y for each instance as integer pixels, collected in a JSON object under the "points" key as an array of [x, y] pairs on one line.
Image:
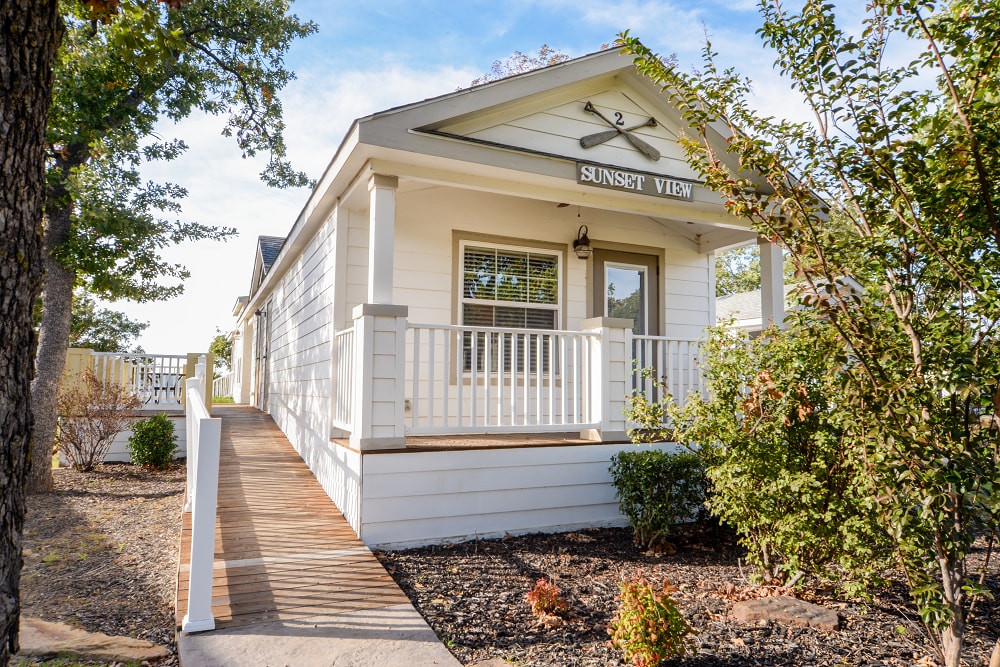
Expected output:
{"points": [[657, 490], [91, 413], [153, 442], [648, 628], [546, 599]]}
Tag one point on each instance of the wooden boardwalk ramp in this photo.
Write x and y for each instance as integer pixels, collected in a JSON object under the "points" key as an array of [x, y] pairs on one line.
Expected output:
{"points": [[283, 552], [282, 548]]}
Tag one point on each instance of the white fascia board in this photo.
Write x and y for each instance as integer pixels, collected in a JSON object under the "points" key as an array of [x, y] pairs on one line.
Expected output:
{"points": [[545, 187], [336, 178]]}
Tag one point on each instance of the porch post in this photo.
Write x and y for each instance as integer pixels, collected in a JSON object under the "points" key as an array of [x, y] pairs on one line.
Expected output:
{"points": [[610, 367], [381, 230], [772, 284], [377, 397]]}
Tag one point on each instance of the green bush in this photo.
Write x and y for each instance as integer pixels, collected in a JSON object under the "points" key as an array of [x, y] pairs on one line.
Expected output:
{"points": [[781, 469], [648, 628], [657, 490], [153, 443]]}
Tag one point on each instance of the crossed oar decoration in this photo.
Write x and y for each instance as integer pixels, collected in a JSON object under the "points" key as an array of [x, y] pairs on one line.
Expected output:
{"points": [[598, 138]]}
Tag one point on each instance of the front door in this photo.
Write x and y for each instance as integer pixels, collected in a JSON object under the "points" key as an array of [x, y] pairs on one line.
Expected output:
{"points": [[626, 284]]}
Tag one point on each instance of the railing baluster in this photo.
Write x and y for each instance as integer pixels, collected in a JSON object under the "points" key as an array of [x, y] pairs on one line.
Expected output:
{"points": [[415, 391], [431, 378]]}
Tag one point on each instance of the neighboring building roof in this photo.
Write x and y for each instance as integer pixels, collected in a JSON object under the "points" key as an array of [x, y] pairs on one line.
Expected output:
{"points": [[240, 304], [744, 307]]}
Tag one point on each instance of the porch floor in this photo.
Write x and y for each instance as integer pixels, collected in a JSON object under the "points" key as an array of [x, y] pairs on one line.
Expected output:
{"points": [[283, 551], [422, 443]]}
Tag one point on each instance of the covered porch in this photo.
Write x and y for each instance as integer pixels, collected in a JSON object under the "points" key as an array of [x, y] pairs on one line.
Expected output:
{"points": [[404, 385]]}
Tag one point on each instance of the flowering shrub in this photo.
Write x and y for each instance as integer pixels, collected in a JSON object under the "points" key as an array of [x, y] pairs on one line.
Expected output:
{"points": [[546, 599], [648, 628]]}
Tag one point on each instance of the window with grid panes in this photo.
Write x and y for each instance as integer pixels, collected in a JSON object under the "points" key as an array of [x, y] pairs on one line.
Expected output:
{"points": [[508, 287]]}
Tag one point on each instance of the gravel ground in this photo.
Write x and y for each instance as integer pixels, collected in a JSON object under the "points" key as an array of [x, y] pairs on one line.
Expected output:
{"points": [[473, 595], [100, 553]]}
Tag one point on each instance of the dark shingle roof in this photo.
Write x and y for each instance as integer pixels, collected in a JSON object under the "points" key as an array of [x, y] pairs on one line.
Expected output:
{"points": [[269, 248]]}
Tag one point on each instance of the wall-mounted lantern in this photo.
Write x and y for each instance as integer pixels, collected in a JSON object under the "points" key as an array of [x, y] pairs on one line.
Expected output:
{"points": [[581, 246]]}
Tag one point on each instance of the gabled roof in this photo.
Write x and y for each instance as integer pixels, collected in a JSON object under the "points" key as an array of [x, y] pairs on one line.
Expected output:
{"points": [[268, 248], [523, 135]]}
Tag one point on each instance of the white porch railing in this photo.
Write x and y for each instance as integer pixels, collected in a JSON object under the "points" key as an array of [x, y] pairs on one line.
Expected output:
{"points": [[674, 362], [222, 385], [155, 378], [344, 386], [463, 379], [203, 438]]}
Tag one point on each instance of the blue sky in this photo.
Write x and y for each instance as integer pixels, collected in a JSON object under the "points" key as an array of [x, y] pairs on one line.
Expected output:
{"points": [[372, 56]]}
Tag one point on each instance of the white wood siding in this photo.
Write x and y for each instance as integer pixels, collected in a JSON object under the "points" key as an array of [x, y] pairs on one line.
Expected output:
{"points": [[558, 130], [426, 497], [338, 470], [300, 387]]}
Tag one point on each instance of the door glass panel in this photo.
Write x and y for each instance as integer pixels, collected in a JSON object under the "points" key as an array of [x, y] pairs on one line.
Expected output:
{"points": [[626, 294]]}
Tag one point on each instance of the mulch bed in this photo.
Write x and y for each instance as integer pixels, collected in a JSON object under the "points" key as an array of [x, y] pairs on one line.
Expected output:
{"points": [[100, 553], [473, 596]]}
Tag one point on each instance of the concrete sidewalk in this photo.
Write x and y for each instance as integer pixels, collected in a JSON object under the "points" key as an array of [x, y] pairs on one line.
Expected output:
{"points": [[292, 584], [386, 637]]}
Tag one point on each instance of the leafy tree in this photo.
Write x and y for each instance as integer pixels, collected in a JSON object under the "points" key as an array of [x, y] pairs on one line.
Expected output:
{"points": [[222, 347], [737, 271], [518, 63], [29, 37], [911, 173], [122, 67], [101, 329]]}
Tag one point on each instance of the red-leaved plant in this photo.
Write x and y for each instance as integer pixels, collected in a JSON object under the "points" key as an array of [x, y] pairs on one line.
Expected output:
{"points": [[546, 599]]}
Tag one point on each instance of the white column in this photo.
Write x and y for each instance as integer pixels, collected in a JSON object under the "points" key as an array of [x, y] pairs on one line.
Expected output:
{"points": [[610, 367], [381, 230], [772, 284], [380, 355]]}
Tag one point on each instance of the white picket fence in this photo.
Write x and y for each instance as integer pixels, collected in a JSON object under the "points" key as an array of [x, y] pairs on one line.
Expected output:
{"points": [[204, 434], [222, 385], [157, 379]]}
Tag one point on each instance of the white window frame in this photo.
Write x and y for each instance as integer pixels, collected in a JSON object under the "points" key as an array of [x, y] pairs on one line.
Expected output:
{"points": [[462, 299]]}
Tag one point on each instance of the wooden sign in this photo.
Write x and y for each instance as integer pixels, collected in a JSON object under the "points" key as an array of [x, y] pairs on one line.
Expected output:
{"points": [[625, 180]]}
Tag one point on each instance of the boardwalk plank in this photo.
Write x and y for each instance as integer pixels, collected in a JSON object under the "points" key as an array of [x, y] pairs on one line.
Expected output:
{"points": [[283, 551]]}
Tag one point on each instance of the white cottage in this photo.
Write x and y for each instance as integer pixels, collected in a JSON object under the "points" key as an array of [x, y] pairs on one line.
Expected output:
{"points": [[447, 333]]}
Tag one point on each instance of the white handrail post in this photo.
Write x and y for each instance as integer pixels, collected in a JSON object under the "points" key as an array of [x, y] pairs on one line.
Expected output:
{"points": [[611, 358], [377, 402], [206, 436]]}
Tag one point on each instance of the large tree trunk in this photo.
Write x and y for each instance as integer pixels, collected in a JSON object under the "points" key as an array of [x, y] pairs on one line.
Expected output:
{"points": [[53, 341], [29, 37]]}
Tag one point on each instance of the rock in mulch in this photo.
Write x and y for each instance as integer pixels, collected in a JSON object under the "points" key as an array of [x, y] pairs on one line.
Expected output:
{"points": [[787, 611], [42, 639]]}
